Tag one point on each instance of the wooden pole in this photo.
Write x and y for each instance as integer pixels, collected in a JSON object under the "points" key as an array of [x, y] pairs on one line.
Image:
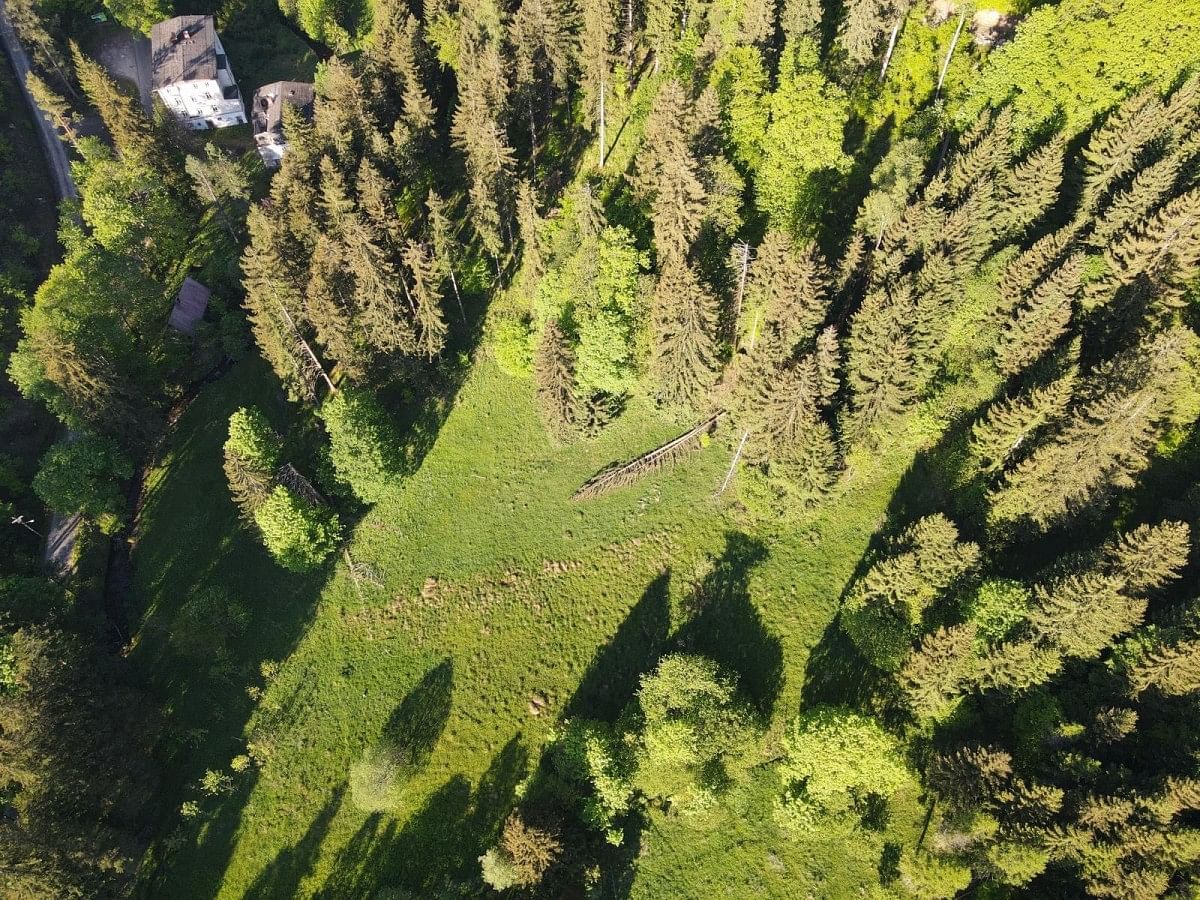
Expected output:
{"points": [[962, 18], [603, 90], [733, 465], [737, 311], [887, 58]]}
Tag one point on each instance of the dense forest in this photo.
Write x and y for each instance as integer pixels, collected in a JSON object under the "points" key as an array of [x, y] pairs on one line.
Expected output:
{"points": [[656, 448]]}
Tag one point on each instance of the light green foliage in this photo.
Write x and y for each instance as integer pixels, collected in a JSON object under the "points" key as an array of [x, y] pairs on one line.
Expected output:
{"points": [[139, 15], [373, 780], [589, 757], [341, 24], [928, 877], [834, 759], [82, 476], [912, 71], [298, 534], [742, 87], [253, 439], [606, 312], [1079, 58], [803, 142], [128, 207], [363, 444], [1017, 864], [884, 608], [513, 344], [497, 871], [10, 675], [997, 607], [693, 730]]}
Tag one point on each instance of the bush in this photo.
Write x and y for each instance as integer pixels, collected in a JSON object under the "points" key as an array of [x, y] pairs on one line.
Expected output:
{"points": [[298, 534], [498, 871], [81, 476], [513, 346], [373, 780], [523, 856], [362, 444], [253, 439]]}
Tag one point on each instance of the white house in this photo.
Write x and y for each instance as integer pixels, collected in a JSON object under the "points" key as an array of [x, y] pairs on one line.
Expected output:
{"points": [[266, 115], [191, 73]]}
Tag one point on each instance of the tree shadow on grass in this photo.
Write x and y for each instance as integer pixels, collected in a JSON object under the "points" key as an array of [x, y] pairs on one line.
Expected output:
{"points": [[728, 628], [283, 876], [436, 851], [613, 675], [413, 728]]}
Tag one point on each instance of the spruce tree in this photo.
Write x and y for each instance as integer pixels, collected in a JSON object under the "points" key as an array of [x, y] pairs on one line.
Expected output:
{"points": [[1031, 187], [329, 306], [445, 247], [1115, 146], [431, 326], [1009, 424], [883, 610], [1081, 615], [860, 31], [1148, 557], [1150, 186], [939, 671], [1042, 319], [668, 174], [881, 369], [1105, 441], [1172, 669], [1018, 665], [1029, 267], [56, 109], [597, 39], [684, 315], [785, 292], [553, 369]]}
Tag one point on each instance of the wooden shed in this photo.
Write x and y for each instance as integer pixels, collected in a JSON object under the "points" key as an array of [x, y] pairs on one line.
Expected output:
{"points": [[189, 306]]}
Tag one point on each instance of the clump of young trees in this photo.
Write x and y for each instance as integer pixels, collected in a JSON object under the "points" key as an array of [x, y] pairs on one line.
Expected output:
{"points": [[296, 526]]}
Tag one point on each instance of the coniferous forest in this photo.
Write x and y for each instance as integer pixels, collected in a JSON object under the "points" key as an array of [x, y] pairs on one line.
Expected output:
{"points": [[631, 449]]}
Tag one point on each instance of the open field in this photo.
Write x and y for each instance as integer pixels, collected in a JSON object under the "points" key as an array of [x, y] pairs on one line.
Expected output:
{"points": [[482, 584]]}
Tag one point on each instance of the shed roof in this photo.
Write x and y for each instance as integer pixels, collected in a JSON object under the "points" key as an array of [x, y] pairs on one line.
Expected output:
{"points": [[266, 112], [189, 306], [183, 49]]}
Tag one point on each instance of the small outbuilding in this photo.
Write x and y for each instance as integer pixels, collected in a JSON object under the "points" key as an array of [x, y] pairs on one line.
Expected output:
{"points": [[266, 114], [189, 306]]}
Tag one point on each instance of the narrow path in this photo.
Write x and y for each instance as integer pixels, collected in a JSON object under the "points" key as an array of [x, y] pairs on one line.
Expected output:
{"points": [[63, 530]]}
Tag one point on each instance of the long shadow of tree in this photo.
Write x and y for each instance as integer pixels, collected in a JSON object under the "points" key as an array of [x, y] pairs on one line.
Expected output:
{"points": [[613, 674], [727, 627], [437, 849], [413, 728], [283, 876]]}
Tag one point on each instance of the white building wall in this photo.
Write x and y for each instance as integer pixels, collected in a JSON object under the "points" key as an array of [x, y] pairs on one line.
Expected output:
{"points": [[202, 103]]}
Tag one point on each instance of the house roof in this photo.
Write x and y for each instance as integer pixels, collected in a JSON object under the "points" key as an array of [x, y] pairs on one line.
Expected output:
{"points": [[189, 306], [266, 112], [183, 49]]}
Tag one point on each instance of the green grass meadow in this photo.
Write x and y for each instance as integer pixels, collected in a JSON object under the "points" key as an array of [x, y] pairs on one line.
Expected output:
{"points": [[480, 585]]}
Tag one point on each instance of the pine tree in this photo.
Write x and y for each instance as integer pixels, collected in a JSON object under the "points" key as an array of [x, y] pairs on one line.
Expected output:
{"points": [[881, 368], [528, 224], [1173, 669], [1081, 615], [1165, 250], [939, 671], [1029, 267], [56, 109], [1129, 207], [553, 368], [1031, 187], [668, 174], [342, 115], [785, 292], [1106, 441], [1149, 556], [684, 321], [860, 31], [800, 19], [1008, 424], [478, 131], [1043, 318], [543, 36], [664, 25], [431, 326], [1115, 146], [597, 38]]}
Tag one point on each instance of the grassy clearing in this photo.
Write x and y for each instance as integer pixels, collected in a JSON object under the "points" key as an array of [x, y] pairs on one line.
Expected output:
{"points": [[492, 586]]}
